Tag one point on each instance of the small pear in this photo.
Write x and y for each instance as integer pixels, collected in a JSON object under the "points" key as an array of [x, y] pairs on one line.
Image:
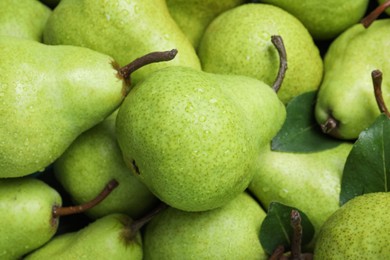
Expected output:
{"points": [[90, 162], [109, 237], [23, 18], [193, 137], [237, 42], [229, 232], [360, 229]]}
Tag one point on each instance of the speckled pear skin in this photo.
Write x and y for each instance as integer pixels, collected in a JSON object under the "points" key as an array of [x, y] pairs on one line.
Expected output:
{"points": [[347, 92], [310, 182], [193, 16], [23, 19], [239, 42], [47, 100], [190, 137], [360, 229], [324, 20], [105, 238], [26, 215], [94, 159], [123, 29], [229, 232]]}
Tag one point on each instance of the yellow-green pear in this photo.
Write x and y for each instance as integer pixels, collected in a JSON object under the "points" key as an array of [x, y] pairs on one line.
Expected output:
{"points": [[237, 42], [23, 18], [360, 229], [123, 29]]}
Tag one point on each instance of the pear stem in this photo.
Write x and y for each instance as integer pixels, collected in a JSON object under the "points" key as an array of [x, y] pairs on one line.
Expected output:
{"points": [[279, 45], [376, 76], [278, 254], [371, 17], [297, 235], [63, 211], [329, 125], [139, 223]]}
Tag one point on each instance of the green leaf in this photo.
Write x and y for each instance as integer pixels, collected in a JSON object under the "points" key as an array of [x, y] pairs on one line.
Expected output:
{"points": [[367, 168], [300, 132], [276, 228]]}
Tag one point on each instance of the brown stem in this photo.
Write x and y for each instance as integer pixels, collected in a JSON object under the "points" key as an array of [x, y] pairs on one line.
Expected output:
{"points": [[279, 45], [329, 125], [371, 17], [297, 235], [63, 211], [376, 76], [278, 254], [139, 223]]}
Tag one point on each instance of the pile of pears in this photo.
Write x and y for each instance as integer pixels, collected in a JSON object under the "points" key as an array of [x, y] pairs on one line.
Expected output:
{"points": [[136, 129]]}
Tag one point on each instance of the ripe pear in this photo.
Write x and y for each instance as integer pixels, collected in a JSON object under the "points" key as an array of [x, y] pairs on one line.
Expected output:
{"points": [[360, 229], [324, 20], [23, 19], [346, 103], [49, 95], [26, 215], [193, 16], [193, 137], [109, 237], [229, 232], [310, 182], [123, 29], [237, 42], [90, 162]]}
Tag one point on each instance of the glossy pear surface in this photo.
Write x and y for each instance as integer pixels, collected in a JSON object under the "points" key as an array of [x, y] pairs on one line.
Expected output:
{"points": [[239, 42], [193, 137], [346, 93], [229, 232]]}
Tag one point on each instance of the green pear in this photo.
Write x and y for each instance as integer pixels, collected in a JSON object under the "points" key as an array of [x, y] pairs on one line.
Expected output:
{"points": [[310, 182], [229, 232], [346, 103], [109, 237], [324, 20], [123, 29], [193, 16], [49, 95], [90, 162], [27, 220], [237, 42], [360, 229], [23, 19], [193, 137]]}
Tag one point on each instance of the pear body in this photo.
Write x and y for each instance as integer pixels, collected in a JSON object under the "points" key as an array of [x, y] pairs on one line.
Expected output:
{"points": [[94, 159], [310, 182], [61, 92], [105, 238], [238, 41], [346, 93], [23, 19], [229, 232], [194, 16], [324, 20], [191, 139], [123, 29], [360, 229], [26, 215]]}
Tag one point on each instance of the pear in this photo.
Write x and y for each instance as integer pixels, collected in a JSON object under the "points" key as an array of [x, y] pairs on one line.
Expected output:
{"points": [[193, 137], [23, 19], [193, 16], [123, 29], [229, 232], [49, 95], [109, 237], [90, 162], [360, 229], [325, 20], [346, 104], [237, 42], [310, 182], [30, 211]]}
